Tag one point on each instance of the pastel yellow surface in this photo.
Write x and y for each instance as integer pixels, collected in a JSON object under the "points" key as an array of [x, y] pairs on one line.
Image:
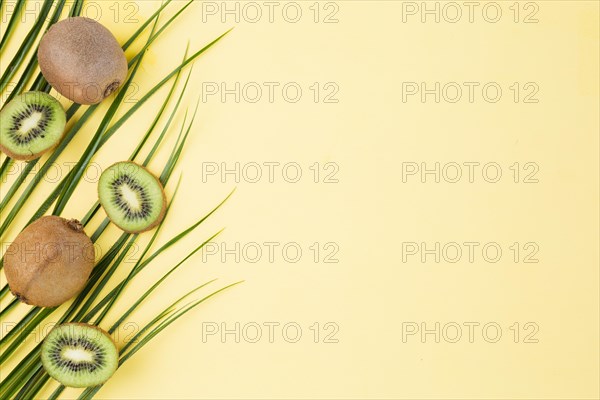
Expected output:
{"points": [[352, 125]]}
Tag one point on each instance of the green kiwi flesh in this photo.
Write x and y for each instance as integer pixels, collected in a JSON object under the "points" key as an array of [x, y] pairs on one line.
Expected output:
{"points": [[30, 125], [132, 197], [79, 355]]}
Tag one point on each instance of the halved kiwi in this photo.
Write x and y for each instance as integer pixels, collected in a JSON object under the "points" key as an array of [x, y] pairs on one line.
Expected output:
{"points": [[79, 355], [132, 197], [30, 125]]}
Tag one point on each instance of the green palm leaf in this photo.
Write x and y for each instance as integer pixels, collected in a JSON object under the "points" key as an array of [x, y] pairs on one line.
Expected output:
{"points": [[28, 378]]}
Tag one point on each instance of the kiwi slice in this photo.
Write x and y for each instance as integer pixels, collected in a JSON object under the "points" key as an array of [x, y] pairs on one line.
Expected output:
{"points": [[30, 125], [79, 355], [132, 197]]}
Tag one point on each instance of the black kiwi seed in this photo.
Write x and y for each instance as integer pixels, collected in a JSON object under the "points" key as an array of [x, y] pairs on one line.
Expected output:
{"points": [[146, 205]]}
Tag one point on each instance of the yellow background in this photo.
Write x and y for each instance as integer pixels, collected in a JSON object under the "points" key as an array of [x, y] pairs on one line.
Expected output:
{"points": [[369, 133]]}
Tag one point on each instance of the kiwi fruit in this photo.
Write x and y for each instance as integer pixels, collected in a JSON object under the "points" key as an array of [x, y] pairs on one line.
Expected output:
{"points": [[30, 125], [82, 60], [79, 355], [49, 262], [132, 197]]}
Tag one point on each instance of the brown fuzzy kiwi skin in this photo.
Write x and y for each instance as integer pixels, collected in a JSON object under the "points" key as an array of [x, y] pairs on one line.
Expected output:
{"points": [[82, 60], [163, 211], [49, 262], [30, 157], [22, 157]]}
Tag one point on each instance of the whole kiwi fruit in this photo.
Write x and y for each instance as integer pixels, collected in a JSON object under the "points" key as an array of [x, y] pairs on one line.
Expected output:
{"points": [[82, 60], [49, 262]]}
